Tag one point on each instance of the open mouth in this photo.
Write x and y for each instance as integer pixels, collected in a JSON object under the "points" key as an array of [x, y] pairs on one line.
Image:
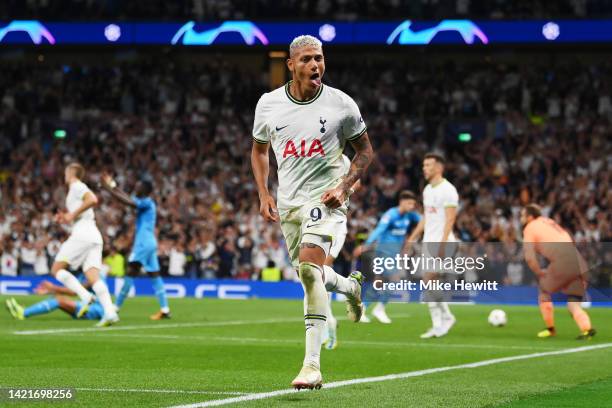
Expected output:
{"points": [[315, 79]]}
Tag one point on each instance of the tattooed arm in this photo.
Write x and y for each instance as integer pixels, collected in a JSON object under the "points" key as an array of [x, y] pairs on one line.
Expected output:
{"points": [[363, 157], [260, 162]]}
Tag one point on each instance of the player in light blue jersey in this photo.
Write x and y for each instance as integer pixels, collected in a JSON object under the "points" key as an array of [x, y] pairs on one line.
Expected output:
{"points": [[388, 237], [144, 250], [60, 300]]}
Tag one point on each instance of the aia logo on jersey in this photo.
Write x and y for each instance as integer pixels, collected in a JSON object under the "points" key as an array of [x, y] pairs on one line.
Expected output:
{"points": [[313, 149], [432, 210]]}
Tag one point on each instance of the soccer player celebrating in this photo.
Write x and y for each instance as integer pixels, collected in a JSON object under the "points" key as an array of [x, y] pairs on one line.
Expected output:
{"points": [[83, 248], [565, 272], [308, 124], [144, 251], [388, 237], [440, 201]]}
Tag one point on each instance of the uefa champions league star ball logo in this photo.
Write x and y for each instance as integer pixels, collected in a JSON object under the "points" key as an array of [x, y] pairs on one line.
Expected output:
{"points": [[112, 32], [551, 31], [327, 32]]}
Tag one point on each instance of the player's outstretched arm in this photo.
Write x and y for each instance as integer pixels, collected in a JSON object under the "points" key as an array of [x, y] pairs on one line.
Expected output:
{"points": [[370, 243], [363, 157], [260, 162], [109, 185]]}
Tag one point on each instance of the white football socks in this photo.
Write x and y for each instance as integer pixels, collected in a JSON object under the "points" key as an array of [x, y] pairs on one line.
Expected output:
{"points": [[446, 313], [71, 282], [337, 283], [436, 315], [101, 291], [315, 310]]}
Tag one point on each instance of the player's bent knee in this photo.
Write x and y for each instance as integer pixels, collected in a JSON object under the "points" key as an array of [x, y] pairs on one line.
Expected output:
{"points": [[93, 275], [62, 301], [308, 271], [574, 299], [544, 296], [58, 266]]}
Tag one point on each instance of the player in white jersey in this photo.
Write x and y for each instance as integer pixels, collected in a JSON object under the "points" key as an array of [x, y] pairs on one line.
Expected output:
{"points": [[308, 124], [440, 201], [331, 337], [83, 248]]}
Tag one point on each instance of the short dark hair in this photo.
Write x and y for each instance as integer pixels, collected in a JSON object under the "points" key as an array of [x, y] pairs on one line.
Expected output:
{"points": [[437, 157], [407, 195], [147, 187], [79, 170], [534, 210]]}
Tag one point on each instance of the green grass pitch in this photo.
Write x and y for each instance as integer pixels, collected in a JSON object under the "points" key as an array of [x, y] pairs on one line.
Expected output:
{"points": [[217, 349]]}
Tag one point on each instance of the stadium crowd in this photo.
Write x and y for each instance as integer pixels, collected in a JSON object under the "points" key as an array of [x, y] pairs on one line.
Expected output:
{"points": [[298, 9], [545, 138]]}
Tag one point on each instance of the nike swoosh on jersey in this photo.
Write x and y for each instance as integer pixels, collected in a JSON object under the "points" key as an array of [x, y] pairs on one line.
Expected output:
{"points": [[281, 128]]}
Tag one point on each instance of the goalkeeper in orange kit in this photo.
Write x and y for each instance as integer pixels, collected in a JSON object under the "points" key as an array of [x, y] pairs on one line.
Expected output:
{"points": [[565, 273]]}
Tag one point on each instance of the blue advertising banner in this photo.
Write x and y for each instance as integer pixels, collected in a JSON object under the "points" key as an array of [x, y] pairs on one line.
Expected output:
{"points": [[176, 287], [249, 33], [237, 289]]}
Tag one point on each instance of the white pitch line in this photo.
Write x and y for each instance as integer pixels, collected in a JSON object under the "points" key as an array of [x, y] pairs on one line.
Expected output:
{"points": [[166, 326], [160, 391], [445, 345], [354, 342], [390, 377], [153, 326]]}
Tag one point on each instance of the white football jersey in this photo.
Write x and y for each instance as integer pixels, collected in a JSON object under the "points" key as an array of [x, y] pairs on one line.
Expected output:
{"points": [[84, 228], [307, 139], [435, 200]]}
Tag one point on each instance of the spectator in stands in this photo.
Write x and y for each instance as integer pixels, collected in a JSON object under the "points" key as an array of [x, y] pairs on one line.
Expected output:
{"points": [[116, 262], [292, 9], [177, 260], [8, 259], [41, 266], [27, 258]]}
